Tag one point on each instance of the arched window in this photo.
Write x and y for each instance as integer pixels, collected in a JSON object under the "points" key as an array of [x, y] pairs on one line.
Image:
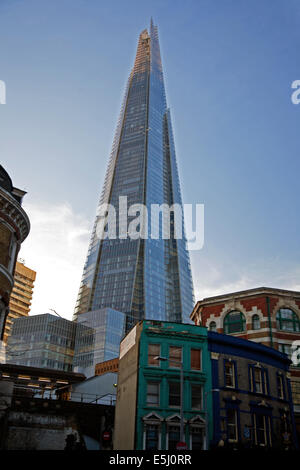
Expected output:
{"points": [[234, 322], [255, 322], [287, 320], [212, 326]]}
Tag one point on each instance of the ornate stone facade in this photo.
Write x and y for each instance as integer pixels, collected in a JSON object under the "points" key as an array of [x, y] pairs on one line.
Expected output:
{"points": [[14, 228]]}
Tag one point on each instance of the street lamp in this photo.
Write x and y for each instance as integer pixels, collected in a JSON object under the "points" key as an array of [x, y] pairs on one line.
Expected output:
{"points": [[159, 358], [206, 415]]}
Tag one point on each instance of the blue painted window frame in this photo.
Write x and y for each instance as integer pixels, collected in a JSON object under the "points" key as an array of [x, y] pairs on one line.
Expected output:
{"points": [[267, 413], [280, 377], [264, 379], [233, 406], [234, 364]]}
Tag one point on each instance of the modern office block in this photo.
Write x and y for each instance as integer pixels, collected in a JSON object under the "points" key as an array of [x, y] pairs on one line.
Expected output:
{"points": [[98, 337], [42, 341], [21, 295], [144, 277]]}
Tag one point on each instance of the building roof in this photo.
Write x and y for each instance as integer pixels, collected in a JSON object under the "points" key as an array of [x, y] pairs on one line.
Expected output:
{"points": [[6, 184], [222, 343], [16, 369]]}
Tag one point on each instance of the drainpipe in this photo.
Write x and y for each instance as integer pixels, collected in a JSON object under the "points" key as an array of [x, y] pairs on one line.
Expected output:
{"points": [[270, 322]]}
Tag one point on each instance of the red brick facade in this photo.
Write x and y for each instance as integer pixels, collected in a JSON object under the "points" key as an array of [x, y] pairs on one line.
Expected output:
{"points": [[264, 302]]}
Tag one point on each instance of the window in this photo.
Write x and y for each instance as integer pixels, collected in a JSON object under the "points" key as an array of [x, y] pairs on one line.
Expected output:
{"points": [[173, 437], [280, 386], [153, 351], [286, 349], [234, 322], [212, 326], [229, 374], [175, 355], [287, 320], [260, 429], [295, 386], [196, 359], [152, 436], [152, 394], [232, 424], [196, 438], [196, 391], [174, 394], [258, 379], [255, 322]]}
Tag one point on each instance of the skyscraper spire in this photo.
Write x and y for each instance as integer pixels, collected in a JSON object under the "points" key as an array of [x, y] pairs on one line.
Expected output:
{"points": [[151, 24], [144, 278]]}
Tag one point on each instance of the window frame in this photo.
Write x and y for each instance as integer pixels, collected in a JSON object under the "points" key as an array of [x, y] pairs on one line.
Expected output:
{"points": [[267, 429], [264, 379], [294, 321], [172, 427], [153, 382], [235, 424], [255, 319], [227, 322], [199, 386], [147, 427], [170, 383], [195, 430], [234, 373], [156, 363], [173, 365], [280, 386], [200, 359]]}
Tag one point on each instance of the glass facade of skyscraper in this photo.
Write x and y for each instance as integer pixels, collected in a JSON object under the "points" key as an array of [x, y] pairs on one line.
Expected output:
{"points": [[42, 341], [98, 337], [144, 278]]}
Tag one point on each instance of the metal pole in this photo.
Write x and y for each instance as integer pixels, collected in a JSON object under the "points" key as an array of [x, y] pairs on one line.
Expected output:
{"points": [[182, 439]]}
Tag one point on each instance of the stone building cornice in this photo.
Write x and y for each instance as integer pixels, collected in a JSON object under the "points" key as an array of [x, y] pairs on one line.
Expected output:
{"points": [[14, 214]]}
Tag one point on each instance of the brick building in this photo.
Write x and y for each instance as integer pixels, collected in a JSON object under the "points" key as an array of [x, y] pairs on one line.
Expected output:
{"points": [[265, 315]]}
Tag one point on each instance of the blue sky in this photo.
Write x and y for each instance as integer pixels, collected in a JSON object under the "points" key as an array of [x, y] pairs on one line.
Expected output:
{"points": [[228, 66]]}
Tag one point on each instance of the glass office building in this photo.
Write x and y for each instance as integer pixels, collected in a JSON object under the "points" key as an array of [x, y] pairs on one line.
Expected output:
{"points": [[145, 277], [98, 337], [42, 341]]}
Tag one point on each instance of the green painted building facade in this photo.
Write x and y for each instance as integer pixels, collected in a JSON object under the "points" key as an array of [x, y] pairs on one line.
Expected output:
{"points": [[156, 405]]}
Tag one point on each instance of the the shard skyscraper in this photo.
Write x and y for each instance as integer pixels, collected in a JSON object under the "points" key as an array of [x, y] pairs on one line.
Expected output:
{"points": [[144, 278]]}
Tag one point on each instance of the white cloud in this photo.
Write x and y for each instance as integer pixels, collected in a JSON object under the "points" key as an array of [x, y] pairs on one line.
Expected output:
{"points": [[55, 248], [216, 278]]}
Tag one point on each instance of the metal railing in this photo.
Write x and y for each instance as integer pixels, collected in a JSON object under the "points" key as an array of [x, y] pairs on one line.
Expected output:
{"points": [[70, 396]]}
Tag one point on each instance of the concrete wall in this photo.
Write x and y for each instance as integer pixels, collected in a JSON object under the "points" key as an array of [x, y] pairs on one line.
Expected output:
{"points": [[37, 432], [125, 416], [99, 385]]}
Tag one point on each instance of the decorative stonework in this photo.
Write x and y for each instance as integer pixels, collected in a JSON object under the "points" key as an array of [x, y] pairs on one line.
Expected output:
{"points": [[214, 356], [285, 302], [12, 213]]}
